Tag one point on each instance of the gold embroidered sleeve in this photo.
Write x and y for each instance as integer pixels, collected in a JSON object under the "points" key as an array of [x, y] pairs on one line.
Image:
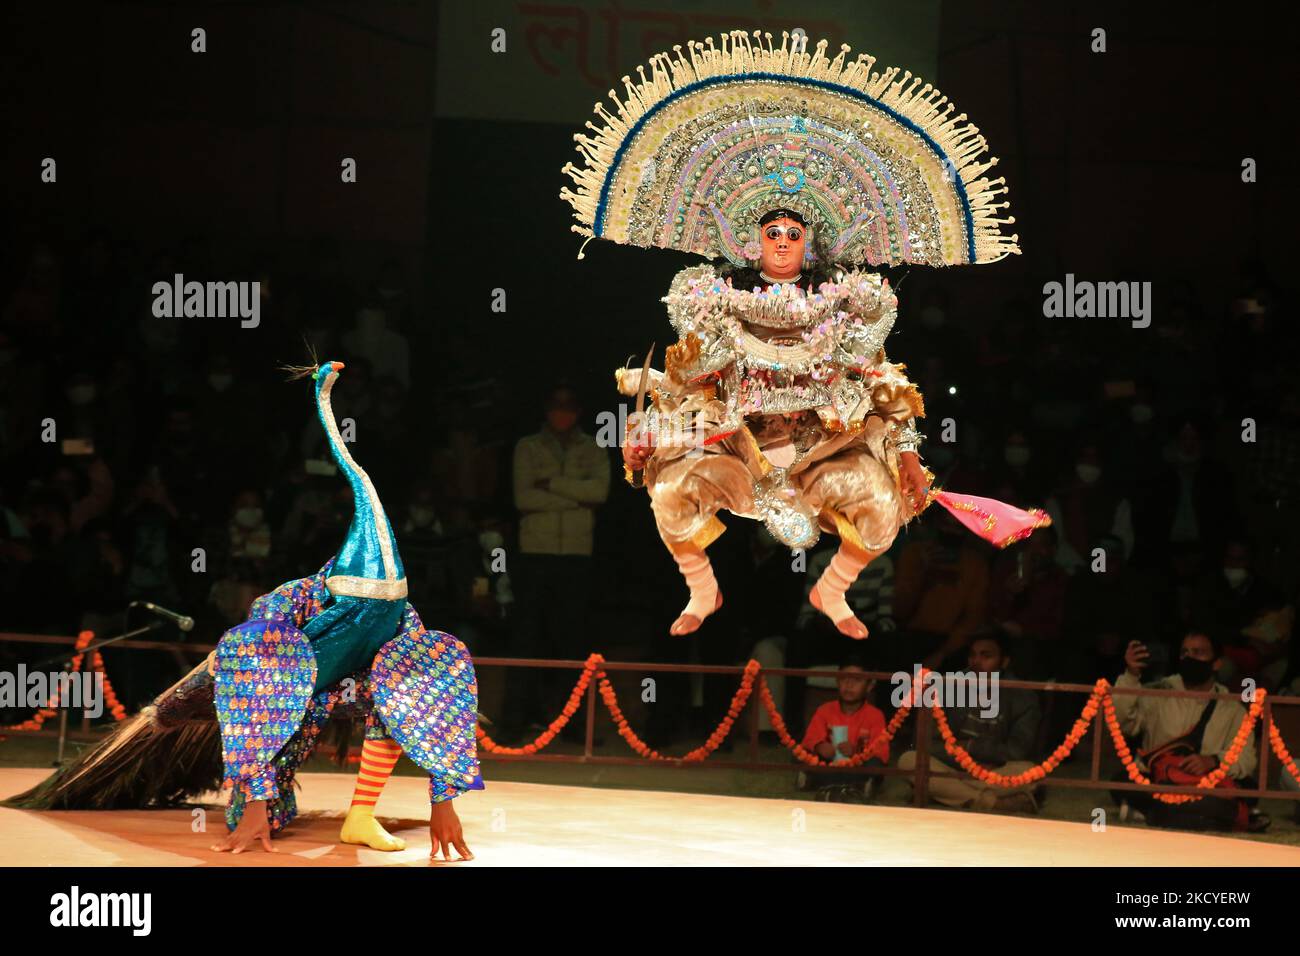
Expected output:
{"points": [[894, 397]]}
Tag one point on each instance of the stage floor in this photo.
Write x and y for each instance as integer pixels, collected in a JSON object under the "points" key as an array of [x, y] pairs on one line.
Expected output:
{"points": [[522, 824]]}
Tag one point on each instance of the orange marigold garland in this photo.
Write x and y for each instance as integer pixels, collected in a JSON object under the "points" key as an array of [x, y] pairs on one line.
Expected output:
{"points": [[1279, 748], [716, 738], [558, 724], [37, 720], [1033, 774], [1101, 699]]}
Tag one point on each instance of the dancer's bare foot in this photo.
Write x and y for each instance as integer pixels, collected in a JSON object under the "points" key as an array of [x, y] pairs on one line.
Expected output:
{"points": [[689, 623], [849, 626], [253, 828]]}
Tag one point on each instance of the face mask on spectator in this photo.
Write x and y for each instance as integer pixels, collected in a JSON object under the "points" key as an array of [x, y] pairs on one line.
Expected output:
{"points": [[561, 420], [489, 541], [1235, 576], [1017, 456], [1087, 473], [220, 381], [421, 517], [1194, 671], [248, 517]]}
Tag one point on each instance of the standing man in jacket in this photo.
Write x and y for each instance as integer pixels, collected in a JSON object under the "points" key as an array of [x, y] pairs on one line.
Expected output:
{"points": [[560, 476]]}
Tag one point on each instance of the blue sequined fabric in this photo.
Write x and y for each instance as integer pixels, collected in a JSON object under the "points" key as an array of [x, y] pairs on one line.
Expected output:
{"points": [[425, 680], [291, 604], [296, 601], [264, 678], [284, 806], [425, 693]]}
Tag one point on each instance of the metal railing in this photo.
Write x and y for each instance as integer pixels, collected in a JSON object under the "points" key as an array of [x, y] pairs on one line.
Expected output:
{"points": [[921, 775]]}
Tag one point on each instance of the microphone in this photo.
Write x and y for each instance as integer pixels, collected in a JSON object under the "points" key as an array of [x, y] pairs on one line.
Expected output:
{"points": [[184, 622]]}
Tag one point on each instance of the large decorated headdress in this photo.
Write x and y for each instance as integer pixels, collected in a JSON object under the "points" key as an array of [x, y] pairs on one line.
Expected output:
{"points": [[706, 144]]}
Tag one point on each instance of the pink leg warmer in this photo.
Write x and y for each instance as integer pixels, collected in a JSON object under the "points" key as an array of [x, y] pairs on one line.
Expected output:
{"points": [[835, 582], [698, 572]]}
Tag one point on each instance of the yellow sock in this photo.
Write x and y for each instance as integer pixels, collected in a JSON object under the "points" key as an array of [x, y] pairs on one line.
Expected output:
{"points": [[378, 758]]}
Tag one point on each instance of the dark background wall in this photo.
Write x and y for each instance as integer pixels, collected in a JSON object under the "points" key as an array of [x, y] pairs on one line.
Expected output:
{"points": [[1126, 161]]}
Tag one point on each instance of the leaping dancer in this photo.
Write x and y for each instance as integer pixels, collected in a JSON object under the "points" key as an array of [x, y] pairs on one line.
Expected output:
{"points": [[778, 401]]}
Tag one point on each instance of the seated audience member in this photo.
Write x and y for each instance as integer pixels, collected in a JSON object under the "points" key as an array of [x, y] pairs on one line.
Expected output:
{"points": [[1002, 741], [1090, 504], [250, 535], [843, 728], [1231, 594], [1018, 479], [1182, 739]]}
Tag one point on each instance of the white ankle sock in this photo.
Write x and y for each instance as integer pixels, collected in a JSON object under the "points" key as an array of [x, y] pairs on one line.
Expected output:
{"points": [[698, 572], [835, 582]]}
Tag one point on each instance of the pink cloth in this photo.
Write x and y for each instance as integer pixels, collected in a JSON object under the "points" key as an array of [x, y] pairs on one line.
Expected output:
{"points": [[994, 521]]}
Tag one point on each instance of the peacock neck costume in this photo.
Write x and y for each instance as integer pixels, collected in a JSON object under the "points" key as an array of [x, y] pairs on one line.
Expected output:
{"points": [[276, 673], [366, 580], [344, 639]]}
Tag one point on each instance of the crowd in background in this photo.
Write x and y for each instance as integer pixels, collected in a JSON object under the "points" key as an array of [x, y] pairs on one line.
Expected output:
{"points": [[182, 470]]}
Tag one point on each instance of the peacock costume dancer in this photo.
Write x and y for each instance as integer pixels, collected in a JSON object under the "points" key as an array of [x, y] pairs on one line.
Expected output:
{"points": [[344, 640], [778, 402]]}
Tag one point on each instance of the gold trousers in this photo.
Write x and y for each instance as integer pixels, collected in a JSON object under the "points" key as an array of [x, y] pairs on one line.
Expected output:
{"points": [[850, 484]]}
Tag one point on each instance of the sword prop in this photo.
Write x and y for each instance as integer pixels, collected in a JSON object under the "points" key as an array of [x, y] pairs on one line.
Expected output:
{"points": [[642, 387]]}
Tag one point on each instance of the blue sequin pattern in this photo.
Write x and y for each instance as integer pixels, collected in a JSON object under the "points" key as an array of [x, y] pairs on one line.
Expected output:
{"points": [[426, 694], [264, 678], [420, 690]]}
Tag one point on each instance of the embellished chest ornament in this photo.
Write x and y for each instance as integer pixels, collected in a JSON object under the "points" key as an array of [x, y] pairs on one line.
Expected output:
{"points": [[788, 349]]}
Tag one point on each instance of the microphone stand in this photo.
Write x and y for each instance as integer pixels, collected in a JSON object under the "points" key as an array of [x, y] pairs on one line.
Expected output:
{"points": [[65, 660]]}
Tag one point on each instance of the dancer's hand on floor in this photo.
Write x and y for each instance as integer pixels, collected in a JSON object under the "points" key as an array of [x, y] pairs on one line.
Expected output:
{"points": [[445, 832], [913, 479], [253, 828]]}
